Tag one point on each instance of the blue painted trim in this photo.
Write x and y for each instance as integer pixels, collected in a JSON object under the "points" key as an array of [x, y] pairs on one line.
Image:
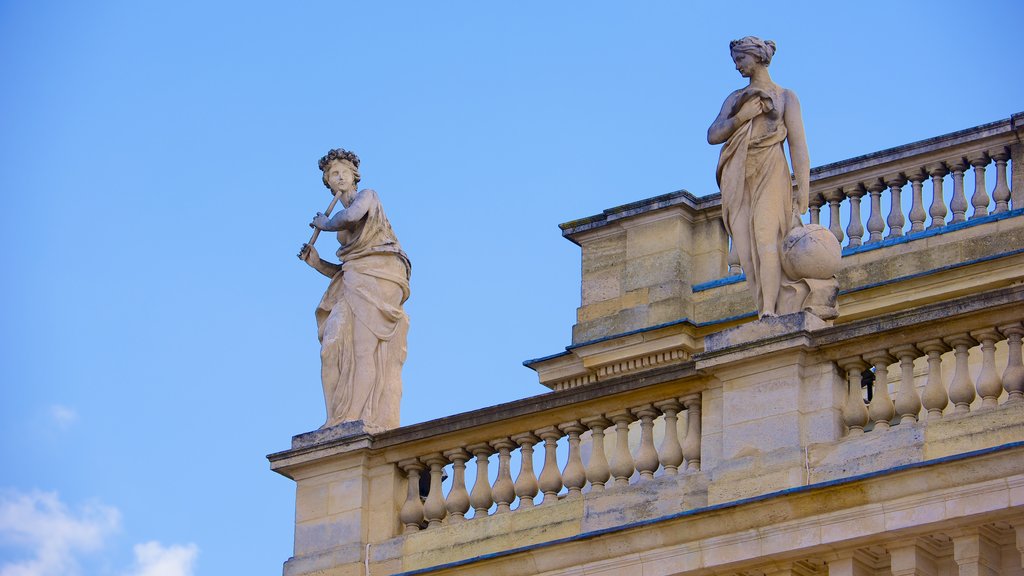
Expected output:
{"points": [[734, 279], [722, 506], [531, 361], [725, 320], [683, 320], [848, 251], [728, 319]]}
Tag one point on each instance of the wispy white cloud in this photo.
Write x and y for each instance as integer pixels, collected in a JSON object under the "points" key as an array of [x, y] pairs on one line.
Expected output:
{"points": [[51, 534], [154, 559], [53, 537], [63, 416]]}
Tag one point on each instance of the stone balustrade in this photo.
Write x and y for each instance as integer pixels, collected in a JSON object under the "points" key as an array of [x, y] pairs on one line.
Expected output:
{"points": [[771, 414], [937, 190], [939, 395], [677, 453]]}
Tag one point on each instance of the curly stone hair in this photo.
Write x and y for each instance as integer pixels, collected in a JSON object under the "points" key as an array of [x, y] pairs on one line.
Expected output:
{"points": [[339, 154]]}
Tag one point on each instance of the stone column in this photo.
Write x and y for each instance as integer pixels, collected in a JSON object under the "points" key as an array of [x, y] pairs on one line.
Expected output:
{"points": [[976, 554], [848, 564], [411, 513], [855, 230], [458, 498], [911, 559]]}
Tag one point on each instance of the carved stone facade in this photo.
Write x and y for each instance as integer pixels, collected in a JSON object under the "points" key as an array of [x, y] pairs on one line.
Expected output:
{"points": [[683, 437]]}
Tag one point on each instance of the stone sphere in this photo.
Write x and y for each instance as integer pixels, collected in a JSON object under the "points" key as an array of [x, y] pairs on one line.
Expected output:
{"points": [[811, 251]]}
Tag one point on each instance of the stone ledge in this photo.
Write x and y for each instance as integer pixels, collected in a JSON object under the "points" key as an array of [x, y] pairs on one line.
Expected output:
{"points": [[763, 329], [346, 430]]}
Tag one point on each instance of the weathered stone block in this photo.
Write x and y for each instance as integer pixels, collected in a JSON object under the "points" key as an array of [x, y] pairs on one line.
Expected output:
{"points": [[329, 532]]}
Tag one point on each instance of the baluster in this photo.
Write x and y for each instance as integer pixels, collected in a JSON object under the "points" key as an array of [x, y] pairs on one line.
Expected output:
{"points": [[959, 202], [917, 213], [834, 197], [574, 476], [480, 497], [622, 461], [937, 210], [881, 409], [411, 514], [935, 399], [989, 385], [691, 444], [980, 198], [598, 472], [526, 482], [503, 491], [961, 390], [814, 204], [1001, 193], [458, 496], [550, 478], [908, 405], [646, 455], [855, 413], [896, 220], [875, 222], [1013, 376], [855, 230], [433, 508], [670, 451]]}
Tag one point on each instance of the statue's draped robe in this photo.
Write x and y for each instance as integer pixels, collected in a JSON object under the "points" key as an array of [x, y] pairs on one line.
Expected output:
{"points": [[756, 186], [362, 326]]}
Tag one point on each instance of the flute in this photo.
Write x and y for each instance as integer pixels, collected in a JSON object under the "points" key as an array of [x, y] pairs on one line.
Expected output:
{"points": [[316, 231]]}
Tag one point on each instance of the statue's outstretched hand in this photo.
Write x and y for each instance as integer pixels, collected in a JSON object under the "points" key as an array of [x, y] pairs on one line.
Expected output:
{"points": [[309, 255]]}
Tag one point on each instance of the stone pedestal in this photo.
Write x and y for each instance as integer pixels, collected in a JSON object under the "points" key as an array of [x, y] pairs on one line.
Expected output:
{"points": [[777, 397], [349, 431], [345, 498], [763, 329]]}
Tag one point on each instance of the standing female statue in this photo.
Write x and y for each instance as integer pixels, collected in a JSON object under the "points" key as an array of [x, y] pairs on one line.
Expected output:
{"points": [[759, 205], [362, 325]]}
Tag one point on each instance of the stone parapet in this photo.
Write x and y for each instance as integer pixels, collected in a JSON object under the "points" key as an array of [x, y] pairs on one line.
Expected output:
{"points": [[769, 414], [666, 258]]}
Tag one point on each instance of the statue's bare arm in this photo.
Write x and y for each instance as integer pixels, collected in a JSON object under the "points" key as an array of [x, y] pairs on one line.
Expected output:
{"points": [[349, 217], [310, 256], [738, 108], [342, 220], [797, 142]]}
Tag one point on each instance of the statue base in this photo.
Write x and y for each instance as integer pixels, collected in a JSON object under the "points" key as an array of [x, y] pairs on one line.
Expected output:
{"points": [[767, 327], [349, 430]]}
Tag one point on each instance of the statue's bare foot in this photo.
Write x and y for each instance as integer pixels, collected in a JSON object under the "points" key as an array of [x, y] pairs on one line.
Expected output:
{"points": [[769, 315]]}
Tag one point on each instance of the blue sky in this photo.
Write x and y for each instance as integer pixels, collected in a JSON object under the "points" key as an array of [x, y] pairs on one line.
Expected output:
{"points": [[159, 169]]}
